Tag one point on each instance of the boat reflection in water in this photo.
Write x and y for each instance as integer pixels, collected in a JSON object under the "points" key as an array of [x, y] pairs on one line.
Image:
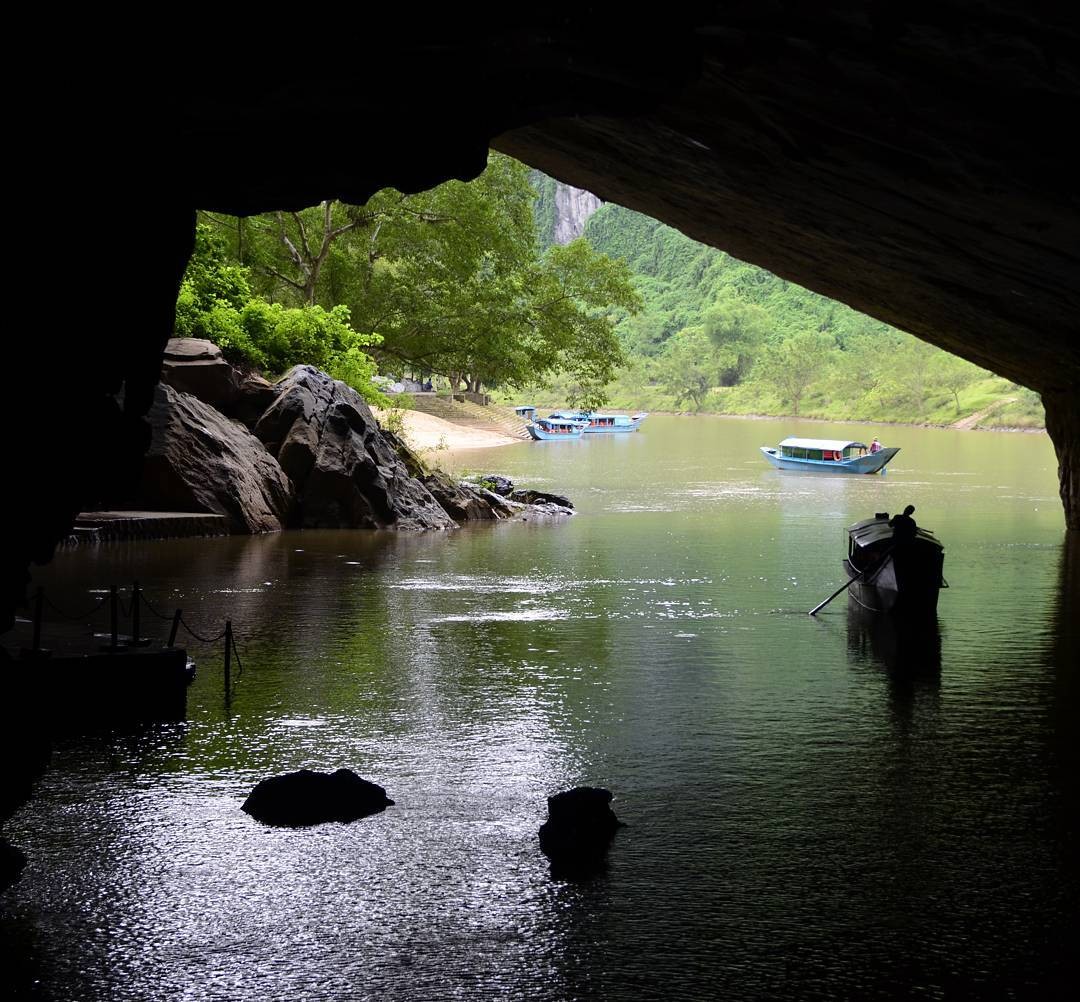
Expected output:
{"points": [[910, 645]]}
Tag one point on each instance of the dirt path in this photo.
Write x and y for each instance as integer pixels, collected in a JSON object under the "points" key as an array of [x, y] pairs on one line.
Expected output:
{"points": [[426, 432], [966, 424]]}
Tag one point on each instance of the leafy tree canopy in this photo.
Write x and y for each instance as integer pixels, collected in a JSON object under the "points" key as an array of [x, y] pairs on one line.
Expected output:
{"points": [[450, 281]]}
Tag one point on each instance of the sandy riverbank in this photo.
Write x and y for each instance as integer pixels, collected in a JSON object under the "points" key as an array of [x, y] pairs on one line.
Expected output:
{"points": [[425, 432]]}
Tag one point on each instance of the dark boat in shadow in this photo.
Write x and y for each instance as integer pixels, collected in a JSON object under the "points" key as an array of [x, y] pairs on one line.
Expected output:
{"points": [[894, 566]]}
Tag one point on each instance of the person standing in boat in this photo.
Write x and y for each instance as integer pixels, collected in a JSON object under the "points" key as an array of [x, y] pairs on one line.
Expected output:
{"points": [[903, 525], [875, 446]]}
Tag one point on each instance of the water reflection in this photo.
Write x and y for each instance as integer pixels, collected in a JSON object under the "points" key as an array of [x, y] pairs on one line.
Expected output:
{"points": [[814, 809], [909, 647]]}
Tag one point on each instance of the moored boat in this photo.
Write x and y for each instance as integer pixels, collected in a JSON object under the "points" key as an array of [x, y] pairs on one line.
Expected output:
{"points": [[893, 565], [552, 429], [834, 455], [603, 423]]}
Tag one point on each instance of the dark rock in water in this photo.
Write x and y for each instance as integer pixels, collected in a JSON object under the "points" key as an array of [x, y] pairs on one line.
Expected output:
{"points": [[312, 798], [460, 501], [346, 474], [541, 498], [578, 831], [12, 861], [200, 460], [497, 484]]}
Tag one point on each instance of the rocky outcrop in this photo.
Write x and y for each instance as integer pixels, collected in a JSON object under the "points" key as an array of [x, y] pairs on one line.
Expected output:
{"points": [[196, 366], [192, 365], [345, 473], [579, 829], [253, 395], [460, 501], [553, 503], [312, 798], [200, 460], [573, 207]]}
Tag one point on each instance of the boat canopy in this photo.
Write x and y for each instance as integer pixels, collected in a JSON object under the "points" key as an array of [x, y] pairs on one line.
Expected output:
{"points": [[877, 530], [832, 445]]}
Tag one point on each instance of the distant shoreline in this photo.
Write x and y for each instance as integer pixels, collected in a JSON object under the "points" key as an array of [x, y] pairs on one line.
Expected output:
{"points": [[819, 420]]}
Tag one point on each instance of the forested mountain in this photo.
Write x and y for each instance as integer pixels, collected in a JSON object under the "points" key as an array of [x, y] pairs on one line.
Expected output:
{"points": [[719, 334]]}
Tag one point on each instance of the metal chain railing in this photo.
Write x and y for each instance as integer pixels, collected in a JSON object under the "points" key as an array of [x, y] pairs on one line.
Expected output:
{"points": [[63, 615], [130, 610]]}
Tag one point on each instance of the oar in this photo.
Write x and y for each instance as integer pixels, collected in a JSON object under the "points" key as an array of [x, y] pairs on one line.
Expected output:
{"points": [[851, 581]]}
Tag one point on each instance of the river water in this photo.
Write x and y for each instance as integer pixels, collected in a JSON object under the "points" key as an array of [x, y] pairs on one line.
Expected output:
{"points": [[815, 808]]}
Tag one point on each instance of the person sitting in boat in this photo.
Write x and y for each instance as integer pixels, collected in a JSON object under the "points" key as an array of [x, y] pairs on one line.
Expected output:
{"points": [[875, 446], [903, 525]]}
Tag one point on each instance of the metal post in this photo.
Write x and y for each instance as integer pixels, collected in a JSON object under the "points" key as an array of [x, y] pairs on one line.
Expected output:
{"points": [[135, 614], [114, 616], [228, 656], [175, 627], [39, 598]]}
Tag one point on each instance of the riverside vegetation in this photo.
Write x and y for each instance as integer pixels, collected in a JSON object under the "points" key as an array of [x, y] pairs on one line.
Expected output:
{"points": [[464, 282]]}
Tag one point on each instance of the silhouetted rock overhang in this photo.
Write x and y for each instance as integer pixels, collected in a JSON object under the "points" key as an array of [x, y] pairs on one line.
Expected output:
{"points": [[912, 163]]}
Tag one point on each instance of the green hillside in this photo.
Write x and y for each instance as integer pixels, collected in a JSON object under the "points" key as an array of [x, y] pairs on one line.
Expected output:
{"points": [[720, 335]]}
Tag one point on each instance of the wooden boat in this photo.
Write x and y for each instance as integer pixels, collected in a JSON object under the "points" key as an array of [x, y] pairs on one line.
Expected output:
{"points": [[552, 429], [526, 412], [834, 455], [603, 423], [894, 573]]}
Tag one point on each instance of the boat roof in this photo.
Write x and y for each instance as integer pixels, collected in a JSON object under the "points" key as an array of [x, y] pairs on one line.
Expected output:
{"points": [[557, 420], [525, 407], [875, 530], [833, 444]]}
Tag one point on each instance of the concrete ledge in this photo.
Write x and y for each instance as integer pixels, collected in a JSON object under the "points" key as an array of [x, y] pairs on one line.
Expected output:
{"points": [[109, 526]]}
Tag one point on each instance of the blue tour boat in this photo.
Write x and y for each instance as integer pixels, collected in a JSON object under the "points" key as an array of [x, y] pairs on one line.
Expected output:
{"points": [[552, 429], [834, 455], [598, 423]]}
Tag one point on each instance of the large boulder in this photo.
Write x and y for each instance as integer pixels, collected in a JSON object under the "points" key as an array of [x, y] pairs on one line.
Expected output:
{"points": [[345, 473], [579, 829], [312, 798], [200, 460], [192, 365]]}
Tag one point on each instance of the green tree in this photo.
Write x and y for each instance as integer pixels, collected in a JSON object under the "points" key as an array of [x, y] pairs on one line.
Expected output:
{"points": [[791, 366], [452, 281], [687, 367], [738, 330], [215, 302], [955, 374]]}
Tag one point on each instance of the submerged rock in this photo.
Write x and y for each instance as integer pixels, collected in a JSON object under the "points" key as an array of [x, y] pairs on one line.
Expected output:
{"points": [[578, 831], [543, 500], [312, 798], [200, 460]]}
